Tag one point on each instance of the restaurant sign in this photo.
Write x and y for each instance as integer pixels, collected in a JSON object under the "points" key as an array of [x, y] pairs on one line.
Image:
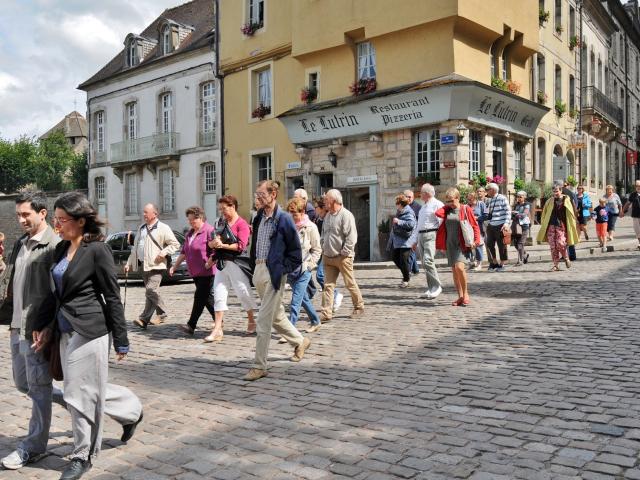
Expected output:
{"points": [[455, 101]]}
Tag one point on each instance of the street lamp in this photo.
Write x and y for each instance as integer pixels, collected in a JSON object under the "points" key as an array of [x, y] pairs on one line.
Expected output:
{"points": [[333, 159], [462, 130]]}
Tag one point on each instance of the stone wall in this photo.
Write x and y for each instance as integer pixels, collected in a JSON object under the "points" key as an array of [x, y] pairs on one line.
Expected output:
{"points": [[8, 224]]}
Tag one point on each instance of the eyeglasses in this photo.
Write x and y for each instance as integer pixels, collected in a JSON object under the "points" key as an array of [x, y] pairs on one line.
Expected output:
{"points": [[61, 221], [449, 200], [261, 194]]}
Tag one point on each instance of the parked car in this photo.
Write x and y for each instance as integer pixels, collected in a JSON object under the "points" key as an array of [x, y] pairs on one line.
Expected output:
{"points": [[121, 244]]}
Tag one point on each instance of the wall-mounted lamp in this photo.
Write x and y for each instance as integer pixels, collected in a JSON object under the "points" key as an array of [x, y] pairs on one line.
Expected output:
{"points": [[462, 131], [333, 159]]}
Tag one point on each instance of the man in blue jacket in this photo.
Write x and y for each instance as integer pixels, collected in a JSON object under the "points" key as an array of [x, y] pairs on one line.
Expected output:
{"points": [[275, 252]]}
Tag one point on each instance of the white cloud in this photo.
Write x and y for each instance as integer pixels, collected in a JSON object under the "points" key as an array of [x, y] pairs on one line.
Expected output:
{"points": [[48, 47]]}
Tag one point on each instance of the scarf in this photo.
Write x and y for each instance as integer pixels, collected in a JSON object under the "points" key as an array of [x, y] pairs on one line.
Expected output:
{"points": [[303, 222]]}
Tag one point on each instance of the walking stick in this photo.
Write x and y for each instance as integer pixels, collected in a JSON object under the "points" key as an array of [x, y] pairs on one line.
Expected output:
{"points": [[126, 281]]}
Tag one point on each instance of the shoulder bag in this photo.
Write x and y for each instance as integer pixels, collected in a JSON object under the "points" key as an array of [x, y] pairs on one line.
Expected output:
{"points": [[467, 229], [155, 242], [223, 231], [51, 353]]}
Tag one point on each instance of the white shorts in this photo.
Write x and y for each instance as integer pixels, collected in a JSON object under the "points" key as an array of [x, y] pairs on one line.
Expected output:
{"points": [[232, 277]]}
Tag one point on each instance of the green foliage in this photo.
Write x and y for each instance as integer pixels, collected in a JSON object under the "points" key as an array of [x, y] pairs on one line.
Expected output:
{"points": [[52, 162], [15, 163], [464, 191], [78, 172], [498, 83], [571, 180], [532, 189], [518, 184], [560, 108], [547, 190], [479, 180]]}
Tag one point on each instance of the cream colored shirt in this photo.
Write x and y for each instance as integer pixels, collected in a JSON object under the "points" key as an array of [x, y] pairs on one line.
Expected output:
{"points": [[19, 274]]}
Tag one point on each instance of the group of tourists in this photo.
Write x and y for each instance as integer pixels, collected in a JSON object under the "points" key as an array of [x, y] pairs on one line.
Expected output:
{"points": [[487, 220], [60, 296]]}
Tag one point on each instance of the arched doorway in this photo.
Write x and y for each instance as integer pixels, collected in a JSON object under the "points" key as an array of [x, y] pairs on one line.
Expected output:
{"points": [[560, 164], [571, 166]]}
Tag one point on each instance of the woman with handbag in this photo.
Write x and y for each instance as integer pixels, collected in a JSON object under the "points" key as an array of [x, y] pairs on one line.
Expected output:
{"points": [[230, 239], [195, 251], [520, 224], [457, 235], [401, 240], [87, 312]]}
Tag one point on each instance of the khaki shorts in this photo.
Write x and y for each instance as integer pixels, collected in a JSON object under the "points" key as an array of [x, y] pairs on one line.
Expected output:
{"points": [[636, 226]]}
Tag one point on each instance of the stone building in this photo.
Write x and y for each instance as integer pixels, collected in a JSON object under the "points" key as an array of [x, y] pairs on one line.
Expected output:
{"points": [[74, 127]]}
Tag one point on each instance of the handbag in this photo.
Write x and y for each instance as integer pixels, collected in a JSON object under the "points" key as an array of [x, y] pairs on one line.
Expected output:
{"points": [[226, 236], [467, 230], [506, 236], [52, 354], [244, 263]]}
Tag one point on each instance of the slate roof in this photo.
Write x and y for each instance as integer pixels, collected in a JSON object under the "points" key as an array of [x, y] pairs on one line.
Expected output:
{"points": [[197, 14], [73, 125]]}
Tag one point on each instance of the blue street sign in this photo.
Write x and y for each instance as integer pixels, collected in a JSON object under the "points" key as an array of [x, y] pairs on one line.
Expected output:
{"points": [[447, 139]]}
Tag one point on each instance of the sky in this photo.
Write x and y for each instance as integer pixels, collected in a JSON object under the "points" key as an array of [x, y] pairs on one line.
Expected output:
{"points": [[49, 47]]}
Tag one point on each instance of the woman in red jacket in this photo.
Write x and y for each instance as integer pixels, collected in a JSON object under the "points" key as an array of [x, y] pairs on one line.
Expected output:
{"points": [[451, 240]]}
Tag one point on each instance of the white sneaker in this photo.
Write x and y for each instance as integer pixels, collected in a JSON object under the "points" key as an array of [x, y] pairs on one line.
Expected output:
{"points": [[404, 284], [604, 250], [337, 301], [16, 459], [433, 293]]}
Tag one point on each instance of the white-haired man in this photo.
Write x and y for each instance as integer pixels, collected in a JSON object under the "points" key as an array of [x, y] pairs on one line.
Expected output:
{"points": [[499, 216], [428, 225], [415, 206], [338, 241], [310, 209]]}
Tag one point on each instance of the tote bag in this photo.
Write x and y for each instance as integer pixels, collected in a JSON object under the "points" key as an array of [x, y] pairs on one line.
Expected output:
{"points": [[467, 229]]}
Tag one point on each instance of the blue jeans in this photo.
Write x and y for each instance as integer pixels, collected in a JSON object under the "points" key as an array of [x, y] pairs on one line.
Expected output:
{"points": [[320, 277], [413, 263], [300, 297]]}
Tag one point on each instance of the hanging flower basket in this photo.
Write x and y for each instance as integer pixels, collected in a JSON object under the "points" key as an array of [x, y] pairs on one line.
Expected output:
{"points": [[250, 28], [362, 86], [542, 97], [308, 94], [574, 42], [261, 112]]}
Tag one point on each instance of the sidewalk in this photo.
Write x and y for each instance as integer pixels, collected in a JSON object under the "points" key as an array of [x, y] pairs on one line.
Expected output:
{"points": [[625, 239]]}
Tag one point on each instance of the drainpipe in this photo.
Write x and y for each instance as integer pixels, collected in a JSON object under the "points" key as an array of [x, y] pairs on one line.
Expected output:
{"points": [[626, 112], [580, 90], [220, 79]]}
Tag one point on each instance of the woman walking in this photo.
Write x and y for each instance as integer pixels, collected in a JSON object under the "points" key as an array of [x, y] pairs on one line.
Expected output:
{"points": [[583, 208], [230, 240], [480, 213], [86, 308], [451, 239], [402, 237], [520, 225], [614, 205], [558, 226], [194, 250], [311, 252]]}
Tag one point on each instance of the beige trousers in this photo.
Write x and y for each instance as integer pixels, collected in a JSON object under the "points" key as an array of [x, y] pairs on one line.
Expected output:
{"points": [[332, 267], [271, 314]]}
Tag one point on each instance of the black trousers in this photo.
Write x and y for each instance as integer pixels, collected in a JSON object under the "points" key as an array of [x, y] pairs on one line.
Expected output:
{"points": [[494, 236], [401, 259], [203, 297]]}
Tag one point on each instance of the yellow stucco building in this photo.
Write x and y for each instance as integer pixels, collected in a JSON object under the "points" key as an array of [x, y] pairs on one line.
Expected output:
{"points": [[423, 108]]}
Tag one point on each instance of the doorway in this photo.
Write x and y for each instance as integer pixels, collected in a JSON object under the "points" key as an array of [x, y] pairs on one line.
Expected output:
{"points": [[560, 165], [294, 183], [358, 202]]}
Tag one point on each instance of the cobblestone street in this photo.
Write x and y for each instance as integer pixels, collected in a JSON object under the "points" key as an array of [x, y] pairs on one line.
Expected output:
{"points": [[538, 379]]}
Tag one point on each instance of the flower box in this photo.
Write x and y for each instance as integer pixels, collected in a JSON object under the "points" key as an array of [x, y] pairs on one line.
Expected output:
{"points": [[261, 112]]}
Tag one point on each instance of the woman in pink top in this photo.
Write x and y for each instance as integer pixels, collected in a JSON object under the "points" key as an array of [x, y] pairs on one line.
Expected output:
{"points": [[229, 274], [194, 250]]}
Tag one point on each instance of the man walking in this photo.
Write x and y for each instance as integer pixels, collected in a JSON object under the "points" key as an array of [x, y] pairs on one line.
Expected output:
{"points": [[23, 288], [499, 216], [415, 206], [428, 225], [338, 241], [634, 203], [154, 241], [275, 252]]}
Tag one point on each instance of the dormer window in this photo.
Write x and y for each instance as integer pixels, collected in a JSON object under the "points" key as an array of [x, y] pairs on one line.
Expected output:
{"points": [[166, 40], [132, 53]]}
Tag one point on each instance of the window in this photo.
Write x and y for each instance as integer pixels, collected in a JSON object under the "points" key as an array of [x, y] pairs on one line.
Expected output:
{"points": [[475, 138], [541, 73], [603, 167], [493, 58], [166, 104], [167, 190], [325, 183], [572, 21], [614, 43], [592, 163], [256, 12], [428, 154], [558, 84], [541, 160], [497, 156], [572, 93], [131, 194], [209, 182], [518, 160], [208, 100], [263, 88], [132, 120], [100, 131], [600, 85], [558, 14], [592, 69], [314, 80], [166, 40], [132, 53], [504, 65], [100, 189], [366, 61], [262, 166]]}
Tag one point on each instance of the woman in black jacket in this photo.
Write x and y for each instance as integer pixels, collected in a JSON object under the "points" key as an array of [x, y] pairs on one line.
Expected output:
{"points": [[85, 310]]}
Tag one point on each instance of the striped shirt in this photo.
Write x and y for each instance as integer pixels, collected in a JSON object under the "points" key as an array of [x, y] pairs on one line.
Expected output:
{"points": [[265, 231], [499, 211]]}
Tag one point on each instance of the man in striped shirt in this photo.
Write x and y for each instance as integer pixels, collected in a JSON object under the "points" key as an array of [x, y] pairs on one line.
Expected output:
{"points": [[499, 216]]}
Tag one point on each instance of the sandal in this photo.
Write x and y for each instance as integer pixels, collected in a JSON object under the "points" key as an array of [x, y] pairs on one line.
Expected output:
{"points": [[555, 268], [458, 302], [217, 338], [251, 329], [465, 302]]}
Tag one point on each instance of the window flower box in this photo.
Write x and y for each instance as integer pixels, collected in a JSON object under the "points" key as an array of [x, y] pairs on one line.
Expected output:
{"points": [[308, 94], [543, 17], [560, 108], [362, 86], [248, 29], [261, 112], [541, 97], [574, 43]]}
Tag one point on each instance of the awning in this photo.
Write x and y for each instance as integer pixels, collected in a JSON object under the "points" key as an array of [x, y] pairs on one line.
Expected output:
{"points": [[414, 105]]}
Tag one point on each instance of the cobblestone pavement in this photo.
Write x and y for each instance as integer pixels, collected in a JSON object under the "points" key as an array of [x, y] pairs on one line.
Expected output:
{"points": [[539, 379]]}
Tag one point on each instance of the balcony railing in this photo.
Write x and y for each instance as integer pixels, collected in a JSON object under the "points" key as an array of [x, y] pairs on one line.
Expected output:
{"points": [[207, 138], [598, 101], [145, 147]]}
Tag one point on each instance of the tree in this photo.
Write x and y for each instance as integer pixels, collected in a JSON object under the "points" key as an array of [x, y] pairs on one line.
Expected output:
{"points": [[16, 168], [78, 172], [52, 162]]}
